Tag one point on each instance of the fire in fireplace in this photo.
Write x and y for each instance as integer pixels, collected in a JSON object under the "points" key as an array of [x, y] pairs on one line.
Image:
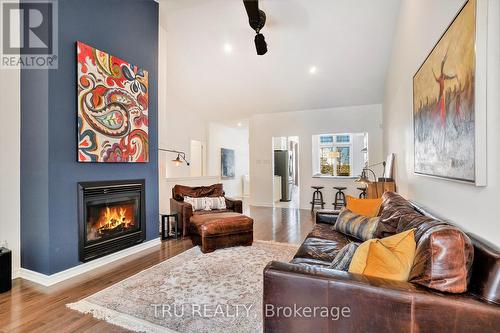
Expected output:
{"points": [[105, 221], [111, 217]]}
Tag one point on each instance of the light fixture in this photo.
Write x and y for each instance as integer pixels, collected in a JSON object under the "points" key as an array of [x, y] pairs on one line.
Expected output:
{"points": [[239, 124], [181, 156], [365, 180], [228, 48], [177, 161], [334, 154], [313, 70]]}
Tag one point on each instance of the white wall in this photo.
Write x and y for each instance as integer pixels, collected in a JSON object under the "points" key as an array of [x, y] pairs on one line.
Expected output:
{"points": [[421, 23], [230, 137], [305, 124], [10, 164], [177, 124]]}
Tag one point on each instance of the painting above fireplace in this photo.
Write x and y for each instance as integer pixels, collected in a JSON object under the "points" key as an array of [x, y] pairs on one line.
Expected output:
{"points": [[112, 108], [111, 217]]}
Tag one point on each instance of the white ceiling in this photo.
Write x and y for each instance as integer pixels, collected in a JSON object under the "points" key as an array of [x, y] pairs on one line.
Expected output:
{"points": [[348, 41]]}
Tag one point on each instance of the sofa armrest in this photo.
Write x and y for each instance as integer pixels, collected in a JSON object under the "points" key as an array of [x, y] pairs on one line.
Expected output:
{"points": [[327, 216], [358, 303], [184, 210], [234, 205]]}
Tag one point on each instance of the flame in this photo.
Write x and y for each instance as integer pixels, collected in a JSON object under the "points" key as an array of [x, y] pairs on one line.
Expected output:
{"points": [[112, 218]]}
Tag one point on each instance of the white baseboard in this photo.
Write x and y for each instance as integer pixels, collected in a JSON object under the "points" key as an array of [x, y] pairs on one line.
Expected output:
{"points": [[49, 280], [261, 204]]}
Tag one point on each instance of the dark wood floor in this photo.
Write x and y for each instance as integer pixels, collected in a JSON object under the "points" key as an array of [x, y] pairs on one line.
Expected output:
{"points": [[29, 307]]}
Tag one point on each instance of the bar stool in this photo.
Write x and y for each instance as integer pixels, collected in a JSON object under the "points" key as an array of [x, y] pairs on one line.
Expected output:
{"points": [[363, 193], [317, 199], [339, 197]]}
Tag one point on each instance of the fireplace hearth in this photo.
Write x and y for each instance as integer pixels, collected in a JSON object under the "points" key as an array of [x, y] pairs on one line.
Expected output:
{"points": [[111, 216]]}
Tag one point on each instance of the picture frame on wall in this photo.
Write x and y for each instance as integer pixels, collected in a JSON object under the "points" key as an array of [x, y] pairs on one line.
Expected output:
{"points": [[227, 163], [449, 101], [113, 105]]}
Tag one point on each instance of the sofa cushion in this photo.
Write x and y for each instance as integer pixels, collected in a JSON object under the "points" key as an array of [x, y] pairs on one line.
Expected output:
{"points": [[322, 250], [443, 259], [444, 254], [393, 208], [310, 262], [356, 225], [206, 203], [197, 203], [180, 191], [213, 211], [343, 259], [322, 230], [365, 207], [419, 222], [388, 258]]}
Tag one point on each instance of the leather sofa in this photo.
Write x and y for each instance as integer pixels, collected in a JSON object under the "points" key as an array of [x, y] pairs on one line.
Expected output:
{"points": [[359, 303], [185, 210]]}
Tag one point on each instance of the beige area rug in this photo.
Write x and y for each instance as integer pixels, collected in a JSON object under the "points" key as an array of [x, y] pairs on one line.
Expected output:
{"points": [[192, 292]]}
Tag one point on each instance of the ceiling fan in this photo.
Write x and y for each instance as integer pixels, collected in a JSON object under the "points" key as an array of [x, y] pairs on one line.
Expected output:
{"points": [[257, 20]]}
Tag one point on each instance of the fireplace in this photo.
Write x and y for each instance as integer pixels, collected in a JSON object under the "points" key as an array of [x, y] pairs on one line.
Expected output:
{"points": [[111, 217]]}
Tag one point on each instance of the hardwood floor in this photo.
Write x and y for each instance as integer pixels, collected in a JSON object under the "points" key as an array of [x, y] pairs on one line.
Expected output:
{"points": [[29, 307]]}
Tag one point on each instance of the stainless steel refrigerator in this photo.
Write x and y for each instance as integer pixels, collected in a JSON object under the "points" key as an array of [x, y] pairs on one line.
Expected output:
{"points": [[283, 168]]}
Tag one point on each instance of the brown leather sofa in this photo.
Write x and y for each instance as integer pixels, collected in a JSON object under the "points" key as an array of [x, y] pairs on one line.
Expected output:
{"points": [[185, 210], [470, 301]]}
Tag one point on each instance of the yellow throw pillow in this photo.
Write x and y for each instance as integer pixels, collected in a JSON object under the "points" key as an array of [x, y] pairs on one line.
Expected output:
{"points": [[365, 207], [388, 258]]}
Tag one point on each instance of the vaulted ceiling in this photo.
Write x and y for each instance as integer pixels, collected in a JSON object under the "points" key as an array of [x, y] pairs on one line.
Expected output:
{"points": [[322, 53]]}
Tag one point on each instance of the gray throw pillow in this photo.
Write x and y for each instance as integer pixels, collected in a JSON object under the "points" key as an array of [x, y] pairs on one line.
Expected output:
{"points": [[343, 259], [356, 225]]}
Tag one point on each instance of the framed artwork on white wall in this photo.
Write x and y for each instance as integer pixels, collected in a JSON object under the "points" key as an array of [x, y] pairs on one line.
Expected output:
{"points": [[449, 101]]}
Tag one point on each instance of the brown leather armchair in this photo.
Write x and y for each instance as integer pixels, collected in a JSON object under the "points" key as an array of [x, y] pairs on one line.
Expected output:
{"points": [[185, 210]]}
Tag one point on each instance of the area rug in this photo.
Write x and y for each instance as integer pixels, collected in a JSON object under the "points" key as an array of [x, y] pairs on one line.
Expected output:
{"points": [[192, 292]]}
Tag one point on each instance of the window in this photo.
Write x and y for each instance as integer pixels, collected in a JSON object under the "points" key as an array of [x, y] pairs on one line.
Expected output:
{"points": [[339, 155]]}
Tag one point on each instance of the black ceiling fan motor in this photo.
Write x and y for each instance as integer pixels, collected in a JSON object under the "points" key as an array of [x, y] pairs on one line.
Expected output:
{"points": [[257, 20], [258, 24]]}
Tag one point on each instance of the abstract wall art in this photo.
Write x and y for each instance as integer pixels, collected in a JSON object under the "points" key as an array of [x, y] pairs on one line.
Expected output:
{"points": [[112, 108], [447, 110], [227, 163]]}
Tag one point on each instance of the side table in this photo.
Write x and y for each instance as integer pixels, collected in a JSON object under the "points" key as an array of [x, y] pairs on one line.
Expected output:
{"points": [[165, 226], [5, 270]]}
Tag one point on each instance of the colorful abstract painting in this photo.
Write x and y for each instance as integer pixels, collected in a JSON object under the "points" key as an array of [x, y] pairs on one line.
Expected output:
{"points": [[444, 103], [112, 108]]}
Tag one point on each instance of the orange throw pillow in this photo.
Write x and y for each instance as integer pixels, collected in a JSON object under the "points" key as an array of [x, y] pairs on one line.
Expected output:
{"points": [[388, 258], [365, 207]]}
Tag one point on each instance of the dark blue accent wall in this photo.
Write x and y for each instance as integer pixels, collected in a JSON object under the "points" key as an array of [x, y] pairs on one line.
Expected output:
{"points": [[50, 172]]}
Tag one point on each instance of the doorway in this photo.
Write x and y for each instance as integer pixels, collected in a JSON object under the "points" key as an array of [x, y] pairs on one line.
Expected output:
{"points": [[198, 158], [286, 190]]}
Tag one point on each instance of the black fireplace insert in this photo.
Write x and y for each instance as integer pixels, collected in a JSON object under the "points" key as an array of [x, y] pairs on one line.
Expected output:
{"points": [[111, 216]]}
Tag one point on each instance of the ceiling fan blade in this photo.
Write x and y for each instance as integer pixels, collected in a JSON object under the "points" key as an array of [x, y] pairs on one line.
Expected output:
{"points": [[254, 15]]}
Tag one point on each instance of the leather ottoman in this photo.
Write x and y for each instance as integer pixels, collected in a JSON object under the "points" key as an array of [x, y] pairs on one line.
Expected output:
{"points": [[219, 230]]}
